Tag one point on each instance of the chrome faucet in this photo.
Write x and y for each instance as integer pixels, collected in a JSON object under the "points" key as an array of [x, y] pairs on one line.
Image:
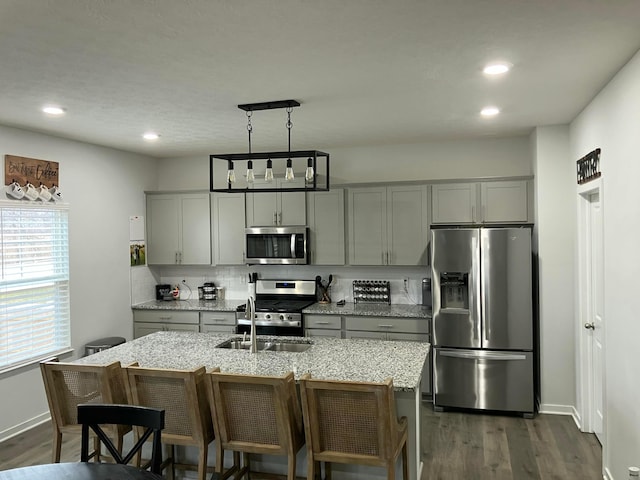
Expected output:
{"points": [[251, 313]]}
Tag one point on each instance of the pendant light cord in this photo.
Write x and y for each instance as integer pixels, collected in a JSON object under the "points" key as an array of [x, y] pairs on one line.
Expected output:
{"points": [[249, 128]]}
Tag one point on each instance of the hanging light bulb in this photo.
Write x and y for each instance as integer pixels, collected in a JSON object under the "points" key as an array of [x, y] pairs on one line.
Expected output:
{"points": [[268, 174], [231, 174], [309, 173], [288, 174], [250, 176]]}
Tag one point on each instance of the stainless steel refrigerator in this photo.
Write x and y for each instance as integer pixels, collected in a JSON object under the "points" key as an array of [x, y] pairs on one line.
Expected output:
{"points": [[482, 319]]}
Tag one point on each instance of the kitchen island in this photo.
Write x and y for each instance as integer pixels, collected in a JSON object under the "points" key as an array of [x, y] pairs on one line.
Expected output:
{"points": [[349, 360]]}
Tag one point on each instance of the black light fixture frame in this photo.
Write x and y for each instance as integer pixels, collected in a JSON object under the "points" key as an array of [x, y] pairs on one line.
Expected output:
{"points": [[315, 155]]}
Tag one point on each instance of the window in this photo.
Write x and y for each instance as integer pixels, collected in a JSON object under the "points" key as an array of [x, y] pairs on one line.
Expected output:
{"points": [[34, 282]]}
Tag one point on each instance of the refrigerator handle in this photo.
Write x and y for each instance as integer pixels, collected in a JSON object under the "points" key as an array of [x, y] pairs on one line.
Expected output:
{"points": [[474, 291], [484, 246], [483, 355]]}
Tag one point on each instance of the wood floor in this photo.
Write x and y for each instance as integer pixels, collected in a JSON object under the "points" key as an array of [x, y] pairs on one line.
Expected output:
{"points": [[455, 446]]}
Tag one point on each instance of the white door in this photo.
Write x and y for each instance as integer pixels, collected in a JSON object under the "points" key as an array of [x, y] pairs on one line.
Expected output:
{"points": [[595, 317]]}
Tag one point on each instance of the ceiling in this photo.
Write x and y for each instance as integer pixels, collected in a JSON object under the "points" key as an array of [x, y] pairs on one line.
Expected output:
{"points": [[366, 72]]}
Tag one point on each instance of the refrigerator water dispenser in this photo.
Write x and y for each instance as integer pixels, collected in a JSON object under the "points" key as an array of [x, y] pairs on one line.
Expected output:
{"points": [[454, 290]]}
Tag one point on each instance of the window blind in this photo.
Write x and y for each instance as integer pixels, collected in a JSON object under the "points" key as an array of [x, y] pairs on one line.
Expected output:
{"points": [[34, 282]]}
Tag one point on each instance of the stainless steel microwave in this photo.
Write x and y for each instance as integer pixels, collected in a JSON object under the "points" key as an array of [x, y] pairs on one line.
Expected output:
{"points": [[277, 245]]}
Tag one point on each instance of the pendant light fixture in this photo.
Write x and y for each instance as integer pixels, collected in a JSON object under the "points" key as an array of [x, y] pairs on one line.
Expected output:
{"points": [[311, 173]]}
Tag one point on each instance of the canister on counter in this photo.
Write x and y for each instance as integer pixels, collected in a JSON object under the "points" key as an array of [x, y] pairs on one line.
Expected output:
{"points": [[426, 292]]}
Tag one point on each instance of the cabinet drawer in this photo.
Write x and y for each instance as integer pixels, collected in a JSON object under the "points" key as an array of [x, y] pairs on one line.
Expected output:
{"points": [[165, 316], [218, 318], [388, 324], [323, 321]]}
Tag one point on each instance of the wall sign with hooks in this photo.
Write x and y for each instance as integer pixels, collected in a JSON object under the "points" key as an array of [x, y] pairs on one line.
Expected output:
{"points": [[588, 167]]}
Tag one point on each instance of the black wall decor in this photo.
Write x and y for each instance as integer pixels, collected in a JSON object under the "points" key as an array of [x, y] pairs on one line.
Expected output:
{"points": [[588, 167]]}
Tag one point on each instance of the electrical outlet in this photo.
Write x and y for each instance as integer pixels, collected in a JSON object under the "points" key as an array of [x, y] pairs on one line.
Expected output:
{"points": [[406, 284]]}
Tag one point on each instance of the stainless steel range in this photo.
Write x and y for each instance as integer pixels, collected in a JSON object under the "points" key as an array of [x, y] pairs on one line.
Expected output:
{"points": [[279, 305]]}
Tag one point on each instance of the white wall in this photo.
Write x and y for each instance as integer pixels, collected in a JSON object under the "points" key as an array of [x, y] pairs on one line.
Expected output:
{"points": [[494, 157], [555, 234], [611, 122], [103, 188]]}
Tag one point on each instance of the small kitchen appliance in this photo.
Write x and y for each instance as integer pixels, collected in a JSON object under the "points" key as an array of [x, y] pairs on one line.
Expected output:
{"points": [[209, 291], [277, 245], [163, 292], [278, 307]]}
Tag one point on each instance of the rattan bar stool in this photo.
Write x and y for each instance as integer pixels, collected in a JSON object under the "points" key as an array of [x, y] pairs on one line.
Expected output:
{"points": [[255, 414], [69, 384], [182, 395], [352, 422]]}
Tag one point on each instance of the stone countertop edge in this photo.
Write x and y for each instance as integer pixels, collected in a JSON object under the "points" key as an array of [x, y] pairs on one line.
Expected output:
{"points": [[328, 358], [373, 310], [190, 305], [370, 309]]}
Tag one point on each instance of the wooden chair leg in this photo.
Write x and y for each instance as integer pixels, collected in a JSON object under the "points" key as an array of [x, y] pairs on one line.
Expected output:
{"points": [[57, 446], [327, 471], [291, 475], [391, 470], [172, 470], [202, 462], [247, 463], [311, 467], [405, 464]]}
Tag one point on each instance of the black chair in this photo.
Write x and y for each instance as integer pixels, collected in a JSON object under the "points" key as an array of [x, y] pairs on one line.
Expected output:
{"points": [[92, 415]]}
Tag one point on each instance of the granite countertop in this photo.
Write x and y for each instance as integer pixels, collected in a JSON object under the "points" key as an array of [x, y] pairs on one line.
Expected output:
{"points": [[195, 305], [371, 309], [328, 358]]}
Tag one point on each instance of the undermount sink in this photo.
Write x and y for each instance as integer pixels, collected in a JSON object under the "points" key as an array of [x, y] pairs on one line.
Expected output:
{"points": [[273, 346]]}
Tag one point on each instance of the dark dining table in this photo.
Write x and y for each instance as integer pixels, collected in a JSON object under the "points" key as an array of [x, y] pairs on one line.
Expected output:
{"points": [[78, 471]]}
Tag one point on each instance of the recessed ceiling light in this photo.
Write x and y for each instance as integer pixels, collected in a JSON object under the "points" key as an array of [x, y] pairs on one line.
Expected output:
{"points": [[53, 110], [496, 68], [151, 136], [489, 111]]}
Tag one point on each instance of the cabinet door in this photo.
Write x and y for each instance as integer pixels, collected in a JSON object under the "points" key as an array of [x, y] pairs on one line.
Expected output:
{"points": [[261, 207], [276, 208], [319, 332], [227, 225], [504, 201], [454, 203], [196, 229], [142, 329], [426, 372], [325, 213], [292, 205], [407, 225], [368, 226], [163, 229], [366, 335]]}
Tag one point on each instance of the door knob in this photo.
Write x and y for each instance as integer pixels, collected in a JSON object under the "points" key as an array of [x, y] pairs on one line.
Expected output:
{"points": [[589, 326]]}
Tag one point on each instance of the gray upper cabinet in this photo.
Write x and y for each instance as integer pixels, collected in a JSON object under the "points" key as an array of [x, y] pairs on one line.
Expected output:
{"points": [[227, 228], [276, 208], [388, 225], [178, 229], [325, 216], [480, 202]]}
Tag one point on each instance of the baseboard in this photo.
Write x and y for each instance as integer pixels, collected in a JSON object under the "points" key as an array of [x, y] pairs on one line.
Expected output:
{"points": [[552, 409], [24, 426]]}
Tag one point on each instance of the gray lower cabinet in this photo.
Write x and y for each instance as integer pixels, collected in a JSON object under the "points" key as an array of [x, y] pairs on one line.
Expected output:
{"points": [[392, 328], [150, 321], [323, 326], [218, 322]]}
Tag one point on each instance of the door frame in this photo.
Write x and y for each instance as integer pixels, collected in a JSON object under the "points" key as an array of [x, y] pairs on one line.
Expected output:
{"points": [[585, 354]]}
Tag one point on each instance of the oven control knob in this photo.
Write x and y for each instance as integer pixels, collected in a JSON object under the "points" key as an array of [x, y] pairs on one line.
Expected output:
{"points": [[281, 317], [267, 316]]}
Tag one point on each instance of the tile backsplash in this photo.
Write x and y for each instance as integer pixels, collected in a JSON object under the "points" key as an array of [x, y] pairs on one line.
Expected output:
{"points": [[234, 280]]}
